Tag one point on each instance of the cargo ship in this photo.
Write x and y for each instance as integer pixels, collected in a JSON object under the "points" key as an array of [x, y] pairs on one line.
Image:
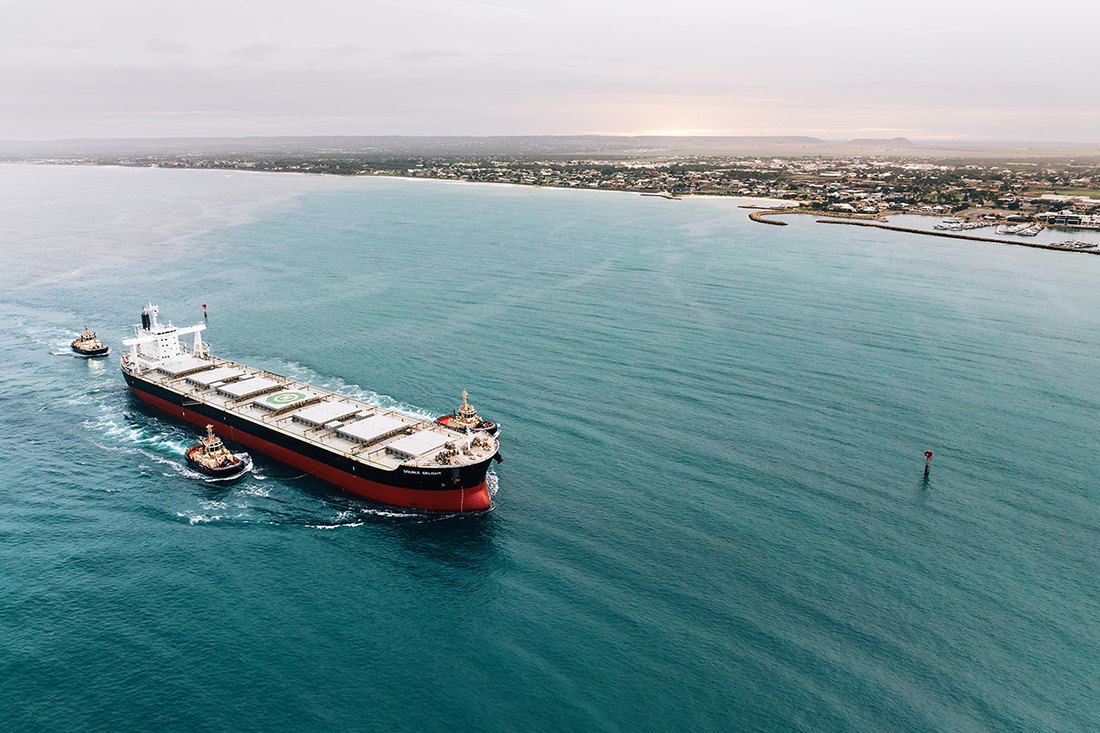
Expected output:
{"points": [[381, 454]]}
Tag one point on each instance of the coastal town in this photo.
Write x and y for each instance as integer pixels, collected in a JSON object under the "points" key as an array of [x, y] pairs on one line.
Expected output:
{"points": [[1065, 194], [1043, 189]]}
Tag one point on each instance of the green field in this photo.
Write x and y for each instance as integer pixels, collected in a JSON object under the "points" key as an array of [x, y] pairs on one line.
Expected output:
{"points": [[1067, 192]]}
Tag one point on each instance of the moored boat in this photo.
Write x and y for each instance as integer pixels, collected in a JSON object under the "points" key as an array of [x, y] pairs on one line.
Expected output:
{"points": [[1026, 229], [210, 457], [86, 344]]}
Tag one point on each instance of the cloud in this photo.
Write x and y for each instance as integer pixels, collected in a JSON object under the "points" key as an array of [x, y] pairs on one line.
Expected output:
{"points": [[344, 52], [162, 46], [521, 66], [421, 55], [258, 53]]}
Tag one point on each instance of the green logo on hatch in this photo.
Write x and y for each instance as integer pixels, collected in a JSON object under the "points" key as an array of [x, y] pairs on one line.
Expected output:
{"points": [[285, 398]]}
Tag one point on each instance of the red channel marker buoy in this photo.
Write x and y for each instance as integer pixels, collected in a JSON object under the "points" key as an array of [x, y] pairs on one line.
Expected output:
{"points": [[204, 310], [927, 461]]}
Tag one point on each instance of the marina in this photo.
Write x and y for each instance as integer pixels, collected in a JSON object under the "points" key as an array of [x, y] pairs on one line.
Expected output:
{"points": [[959, 225], [953, 235], [1026, 229]]}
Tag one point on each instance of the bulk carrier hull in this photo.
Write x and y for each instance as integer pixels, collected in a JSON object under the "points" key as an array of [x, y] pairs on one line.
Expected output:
{"points": [[379, 454]]}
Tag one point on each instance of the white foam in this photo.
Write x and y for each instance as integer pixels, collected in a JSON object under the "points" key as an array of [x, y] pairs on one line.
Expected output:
{"points": [[334, 526], [256, 491], [199, 518], [137, 435]]}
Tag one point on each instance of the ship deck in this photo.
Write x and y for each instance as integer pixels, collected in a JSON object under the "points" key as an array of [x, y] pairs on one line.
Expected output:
{"points": [[372, 435]]}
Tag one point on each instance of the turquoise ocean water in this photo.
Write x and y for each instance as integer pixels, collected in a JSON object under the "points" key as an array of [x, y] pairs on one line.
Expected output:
{"points": [[711, 515]]}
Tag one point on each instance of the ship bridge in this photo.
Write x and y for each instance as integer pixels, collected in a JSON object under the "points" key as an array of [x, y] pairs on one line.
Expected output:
{"points": [[155, 342]]}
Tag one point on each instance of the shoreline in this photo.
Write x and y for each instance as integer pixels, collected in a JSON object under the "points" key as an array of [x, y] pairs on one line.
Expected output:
{"points": [[771, 207], [398, 177], [780, 205]]}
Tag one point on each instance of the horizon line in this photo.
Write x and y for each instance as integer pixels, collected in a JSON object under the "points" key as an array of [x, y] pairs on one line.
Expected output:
{"points": [[916, 141]]}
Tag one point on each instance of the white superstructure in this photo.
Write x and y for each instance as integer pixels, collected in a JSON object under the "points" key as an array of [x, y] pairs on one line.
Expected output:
{"points": [[155, 342]]}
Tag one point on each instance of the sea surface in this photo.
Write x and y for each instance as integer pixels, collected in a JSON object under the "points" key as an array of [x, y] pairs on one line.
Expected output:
{"points": [[712, 514]]}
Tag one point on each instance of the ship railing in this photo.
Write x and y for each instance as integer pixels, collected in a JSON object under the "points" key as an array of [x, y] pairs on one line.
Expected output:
{"points": [[187, 373], [370, 452], [294, 407], [250, 370], [278, 424], [318, 430], [376, 440], [273, 375], [372, 455], [274, 424]]}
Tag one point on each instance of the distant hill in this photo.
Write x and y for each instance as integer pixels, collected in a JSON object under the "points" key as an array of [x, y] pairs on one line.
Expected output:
{"points": [[381, 147], [398, 145], [894, 142]]}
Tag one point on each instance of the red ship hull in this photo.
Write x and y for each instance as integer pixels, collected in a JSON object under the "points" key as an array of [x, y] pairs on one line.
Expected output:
{"points": [[463, 499]]}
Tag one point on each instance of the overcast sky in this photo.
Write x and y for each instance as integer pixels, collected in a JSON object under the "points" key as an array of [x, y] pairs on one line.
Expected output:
{"points": [[939, 69]]}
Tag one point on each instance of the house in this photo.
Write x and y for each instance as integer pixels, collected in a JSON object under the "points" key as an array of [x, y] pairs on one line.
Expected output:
{"points": [[1063, 217]]}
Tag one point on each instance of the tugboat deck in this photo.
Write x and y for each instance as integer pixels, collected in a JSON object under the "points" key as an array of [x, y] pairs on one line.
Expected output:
{"points": [[372, 435]]}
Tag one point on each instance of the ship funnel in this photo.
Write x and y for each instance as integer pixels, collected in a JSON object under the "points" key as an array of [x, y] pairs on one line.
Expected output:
{"points": [[149, 317]]}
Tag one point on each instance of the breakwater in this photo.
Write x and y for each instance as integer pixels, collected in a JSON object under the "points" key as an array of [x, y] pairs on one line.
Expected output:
{"points": [[935, 233], [763, 211], [759, 216]]}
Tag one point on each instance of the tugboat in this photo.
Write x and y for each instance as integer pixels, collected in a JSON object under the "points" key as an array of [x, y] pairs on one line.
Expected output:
{"points": [[467, 421], [211, 458], [88, 345]]}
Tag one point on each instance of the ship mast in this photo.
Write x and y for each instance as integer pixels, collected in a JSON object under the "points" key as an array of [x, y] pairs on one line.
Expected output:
{"points": [[467, 413]]}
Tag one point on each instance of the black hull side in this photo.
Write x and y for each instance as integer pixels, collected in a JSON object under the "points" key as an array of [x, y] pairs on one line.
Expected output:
{"points": [[91, 353], [222, 472], [239, 430]]}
